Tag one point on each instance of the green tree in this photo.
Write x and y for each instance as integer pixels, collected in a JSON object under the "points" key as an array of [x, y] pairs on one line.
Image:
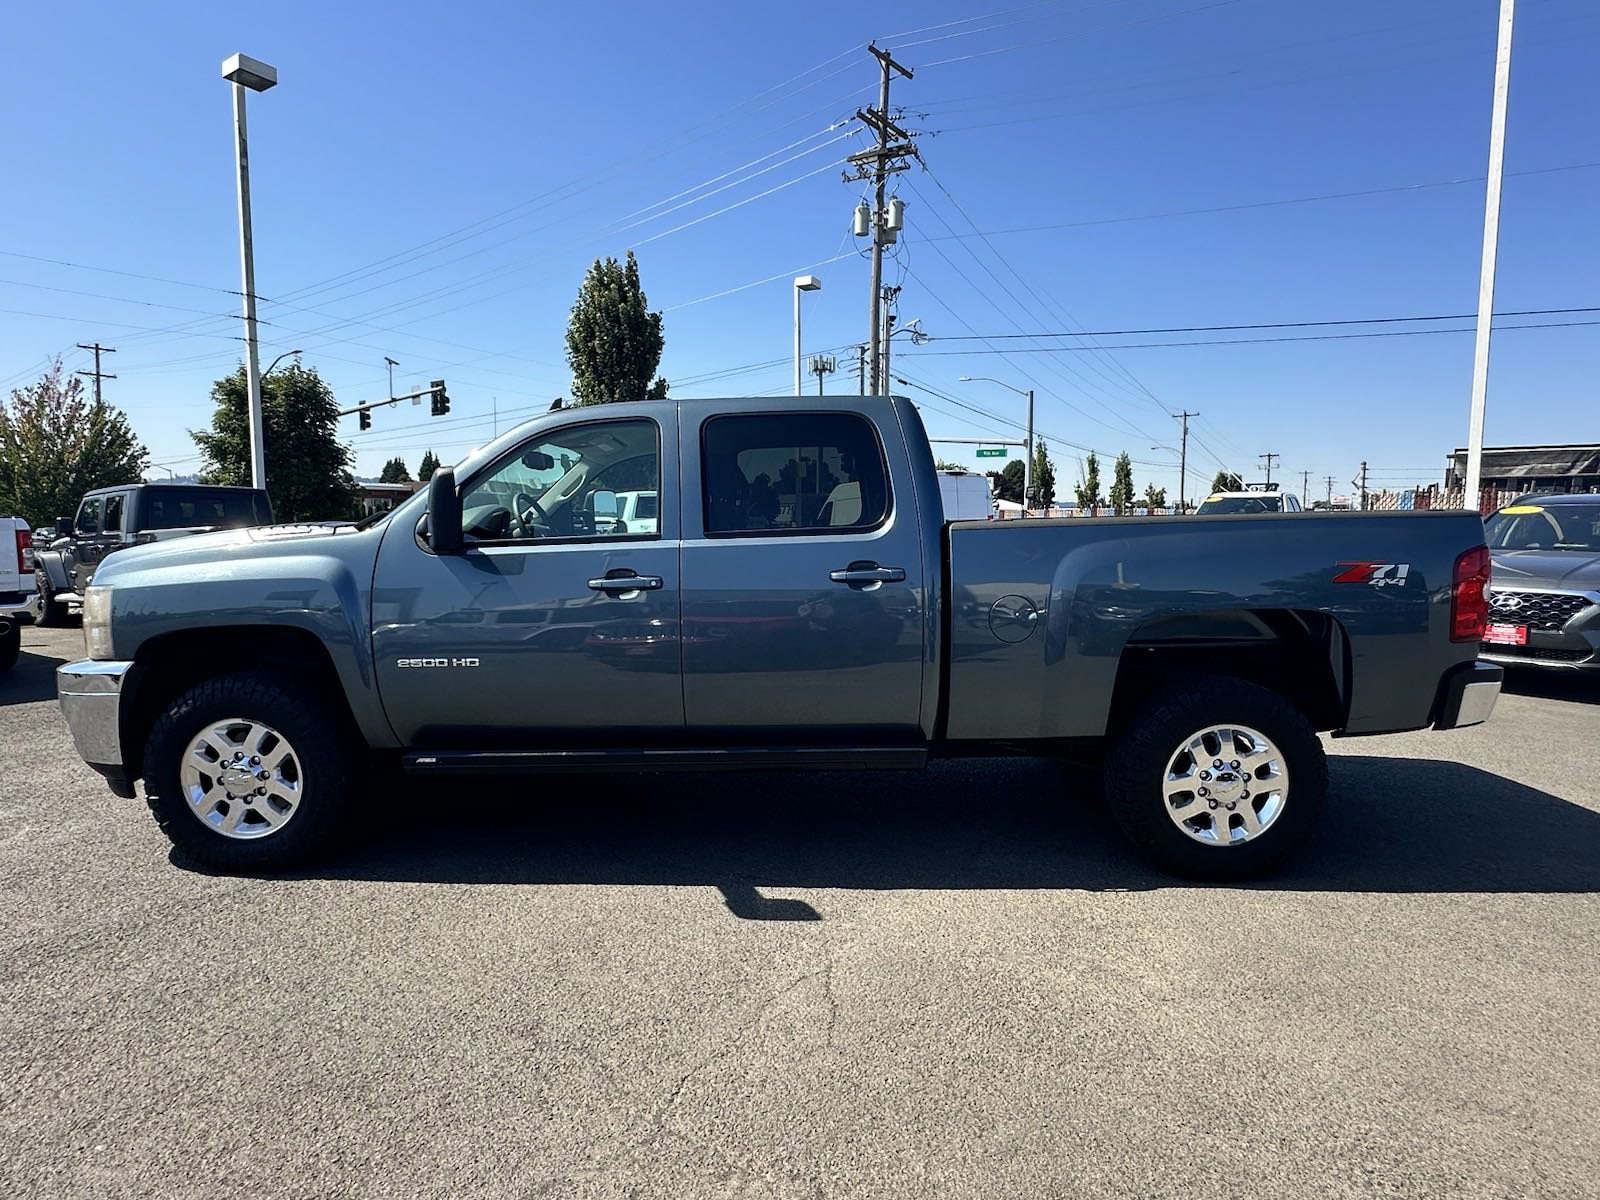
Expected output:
{"points": [[614, 341], [308, 467], [946, 465], [1008, 485], [1088, 488], [1226, 481], [1154, 497], [1121, 494], [394, 471], [56, 444], [1044, 476], [427, 466]]}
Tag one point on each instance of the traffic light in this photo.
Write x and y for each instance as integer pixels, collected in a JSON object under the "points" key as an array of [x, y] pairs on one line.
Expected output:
{"points": [[366, 418], [441, 398]]}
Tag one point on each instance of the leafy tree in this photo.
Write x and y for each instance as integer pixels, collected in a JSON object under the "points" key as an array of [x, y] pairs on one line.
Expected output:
{"points": [[1154, 497], [946, 465], [1121, 495], [1226, 481], [614, 341], [1009, 485], [308, 467], [56, 444], [1088, 488], [427, 466], [394, 471], [1044, 476]]}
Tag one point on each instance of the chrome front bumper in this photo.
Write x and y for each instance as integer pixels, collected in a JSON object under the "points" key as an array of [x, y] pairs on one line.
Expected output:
{"points": [[91, 699]]}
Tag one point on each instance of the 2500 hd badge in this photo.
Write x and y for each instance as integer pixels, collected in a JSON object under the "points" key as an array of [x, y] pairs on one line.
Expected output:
{"points": [[435, 662]]}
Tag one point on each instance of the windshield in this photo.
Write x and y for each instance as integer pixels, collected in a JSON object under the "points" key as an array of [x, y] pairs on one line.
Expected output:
{"points": [[1537, 527], [180, 508], [1238, 504]]}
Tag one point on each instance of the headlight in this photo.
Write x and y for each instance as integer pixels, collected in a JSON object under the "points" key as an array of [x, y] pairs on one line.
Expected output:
{"points": [[97, 622]]}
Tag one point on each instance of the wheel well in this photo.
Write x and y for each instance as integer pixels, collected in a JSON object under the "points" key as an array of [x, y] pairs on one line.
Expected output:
{"points": [[1302, 656], [172, 663]]}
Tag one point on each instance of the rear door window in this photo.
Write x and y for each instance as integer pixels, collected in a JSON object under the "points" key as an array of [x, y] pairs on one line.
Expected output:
{"points": [[793, 473], [112, 523]]}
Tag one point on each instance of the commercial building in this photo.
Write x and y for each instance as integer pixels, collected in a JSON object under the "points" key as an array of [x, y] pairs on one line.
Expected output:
{"points": [[1574, 468]]}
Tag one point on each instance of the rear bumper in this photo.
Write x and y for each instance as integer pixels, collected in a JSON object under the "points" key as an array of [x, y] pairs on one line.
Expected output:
{"points": [[91, 699], [1467, 695], [19, 608]]}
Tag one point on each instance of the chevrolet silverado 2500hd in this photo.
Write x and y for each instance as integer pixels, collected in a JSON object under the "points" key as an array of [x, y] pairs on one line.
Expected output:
{"points": [[799, 603]]}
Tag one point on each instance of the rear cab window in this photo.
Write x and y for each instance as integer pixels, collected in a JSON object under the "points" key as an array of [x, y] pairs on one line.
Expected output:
{"points": [[775, 474]]}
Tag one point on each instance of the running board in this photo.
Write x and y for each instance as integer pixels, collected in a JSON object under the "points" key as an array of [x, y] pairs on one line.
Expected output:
{"points": [[739, 758]]}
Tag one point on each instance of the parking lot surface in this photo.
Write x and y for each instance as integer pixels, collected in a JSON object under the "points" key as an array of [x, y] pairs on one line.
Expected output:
{"points": [[958, 983]]}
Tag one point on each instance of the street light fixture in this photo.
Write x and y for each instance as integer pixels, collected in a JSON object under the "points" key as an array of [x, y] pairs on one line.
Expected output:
{"points": [[279, 359], [1027, 461], [802, 283], [245, 72]]}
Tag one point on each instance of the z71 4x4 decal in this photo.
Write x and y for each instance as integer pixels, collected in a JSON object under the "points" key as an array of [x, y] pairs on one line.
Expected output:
{"points": [[1378, 574]]}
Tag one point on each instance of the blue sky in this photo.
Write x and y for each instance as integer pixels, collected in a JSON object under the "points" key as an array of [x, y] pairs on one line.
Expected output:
{"points": [[430, 183]]}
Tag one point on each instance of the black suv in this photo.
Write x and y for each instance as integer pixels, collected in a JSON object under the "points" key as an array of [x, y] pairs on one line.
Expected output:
{"points": [[130, 514]]}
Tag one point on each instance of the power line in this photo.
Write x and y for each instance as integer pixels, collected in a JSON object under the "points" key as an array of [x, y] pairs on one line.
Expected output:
{"points": [[1325, 337]]}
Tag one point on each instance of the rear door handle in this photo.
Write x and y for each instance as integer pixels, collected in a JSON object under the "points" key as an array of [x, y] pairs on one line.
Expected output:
{"points": [[626, 582], [868, 574]]}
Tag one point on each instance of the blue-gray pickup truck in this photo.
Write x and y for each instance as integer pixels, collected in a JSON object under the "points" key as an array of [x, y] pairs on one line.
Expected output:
{"points": [[797, 601]]}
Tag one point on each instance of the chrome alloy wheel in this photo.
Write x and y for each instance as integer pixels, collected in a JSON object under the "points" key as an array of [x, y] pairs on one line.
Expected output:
{"points": [[242, 778], [1225, 785]]}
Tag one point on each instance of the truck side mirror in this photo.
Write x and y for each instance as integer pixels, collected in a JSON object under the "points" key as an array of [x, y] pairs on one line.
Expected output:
{"points": [[605, 506], [63, 526], [444, 513]]}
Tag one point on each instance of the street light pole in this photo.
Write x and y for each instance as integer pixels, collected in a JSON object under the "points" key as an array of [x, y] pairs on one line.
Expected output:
{"points": [[1027, 462], [245, 72], [802, 283], [1491, 241]]}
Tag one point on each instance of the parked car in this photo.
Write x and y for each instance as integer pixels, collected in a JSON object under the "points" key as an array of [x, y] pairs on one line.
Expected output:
{"points": [[1220, 503], [19, 602], [802, 604], [638, 512], [113, 518], [1544, 606]]}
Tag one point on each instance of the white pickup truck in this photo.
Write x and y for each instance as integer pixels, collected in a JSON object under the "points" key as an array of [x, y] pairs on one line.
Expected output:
{"points": [[19, 601]]}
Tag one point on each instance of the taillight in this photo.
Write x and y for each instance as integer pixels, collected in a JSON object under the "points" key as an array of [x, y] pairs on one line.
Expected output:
{"points": [[24, 552], [1469, 596]]}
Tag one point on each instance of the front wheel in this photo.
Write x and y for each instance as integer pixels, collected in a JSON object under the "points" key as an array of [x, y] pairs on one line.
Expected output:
{"points": [[51, 610], [248, 772], [1216, 778]]}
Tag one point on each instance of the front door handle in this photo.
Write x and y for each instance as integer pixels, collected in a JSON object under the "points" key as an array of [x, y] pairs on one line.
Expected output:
{"points": [[626, 581], [868, 574]]}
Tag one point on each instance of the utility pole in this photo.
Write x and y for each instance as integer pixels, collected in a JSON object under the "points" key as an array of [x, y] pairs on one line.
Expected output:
{"points": [[1491, 242], [1269, 456], [1362, 484], [1330, 491], [1305, 485], [1183, 457], [97, 372], [883, 224], [861, 370]]}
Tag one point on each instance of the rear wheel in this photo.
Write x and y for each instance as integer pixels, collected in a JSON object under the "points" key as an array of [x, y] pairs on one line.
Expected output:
{"points": [[249, 772], [10, 646], [1217, 778], [51, 610]]}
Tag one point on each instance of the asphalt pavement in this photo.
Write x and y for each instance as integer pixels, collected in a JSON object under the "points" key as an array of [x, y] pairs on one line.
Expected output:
{"points": [[952, 984]]}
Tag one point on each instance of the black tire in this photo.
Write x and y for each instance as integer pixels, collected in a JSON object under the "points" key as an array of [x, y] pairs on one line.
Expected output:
{"points": [[10, 647], [51, 610], [1136, 768], [322, 742]]}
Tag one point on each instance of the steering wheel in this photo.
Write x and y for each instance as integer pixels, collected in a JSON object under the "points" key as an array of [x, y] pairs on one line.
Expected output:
{"points": [[532, 528]]}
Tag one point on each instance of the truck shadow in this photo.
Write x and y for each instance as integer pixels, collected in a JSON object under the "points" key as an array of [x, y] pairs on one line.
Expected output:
{"points": [[1393, 825], [33, 678]]}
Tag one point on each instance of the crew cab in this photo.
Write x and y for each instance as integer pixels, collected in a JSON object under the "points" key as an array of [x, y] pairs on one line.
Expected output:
{"points": [[799, 603], [19, 603], [112, 518]]}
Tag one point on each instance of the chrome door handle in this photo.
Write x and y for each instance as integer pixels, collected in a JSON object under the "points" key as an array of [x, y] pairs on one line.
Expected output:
{"points": [[626, 583], [860, 574]]}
